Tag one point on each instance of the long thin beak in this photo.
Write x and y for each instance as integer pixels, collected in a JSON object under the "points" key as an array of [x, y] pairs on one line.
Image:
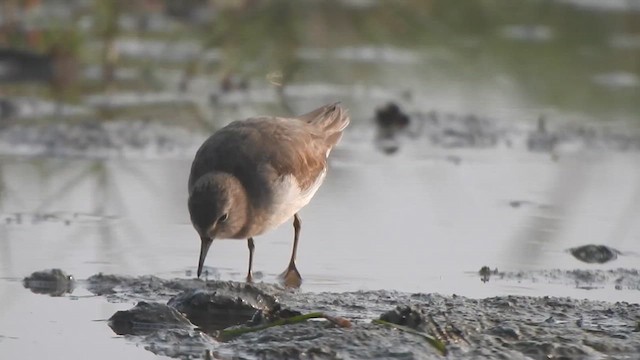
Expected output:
{"points": [[204, 248]]}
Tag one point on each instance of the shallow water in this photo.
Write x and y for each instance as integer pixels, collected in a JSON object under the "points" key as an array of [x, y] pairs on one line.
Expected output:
{"points": [[413, 222]]}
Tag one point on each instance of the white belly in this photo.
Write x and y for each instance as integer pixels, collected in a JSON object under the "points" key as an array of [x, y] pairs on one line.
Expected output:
{"points": [[288, 199]]}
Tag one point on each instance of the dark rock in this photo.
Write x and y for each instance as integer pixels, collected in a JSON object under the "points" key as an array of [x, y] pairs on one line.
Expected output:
{"points": [[260, 296], [594, 254], [147, 318], [406, 316], [212, 310], [53, 282], [225, 303]]}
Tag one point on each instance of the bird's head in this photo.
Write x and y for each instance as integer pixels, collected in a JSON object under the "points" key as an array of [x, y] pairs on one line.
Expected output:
{"points": [[218, 209]]}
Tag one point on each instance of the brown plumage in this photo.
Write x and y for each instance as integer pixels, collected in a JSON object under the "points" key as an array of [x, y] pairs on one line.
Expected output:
{"points": [[254, 174]]}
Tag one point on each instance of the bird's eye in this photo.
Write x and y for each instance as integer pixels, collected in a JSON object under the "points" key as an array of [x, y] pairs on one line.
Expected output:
{"points": [[223, 218]]}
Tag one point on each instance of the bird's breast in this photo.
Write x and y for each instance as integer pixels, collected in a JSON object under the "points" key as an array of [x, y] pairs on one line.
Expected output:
{"points": [[288, 198]]}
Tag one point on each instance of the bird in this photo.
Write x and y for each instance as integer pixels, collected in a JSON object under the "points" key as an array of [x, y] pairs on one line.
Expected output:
{"points": [[253, 175]]}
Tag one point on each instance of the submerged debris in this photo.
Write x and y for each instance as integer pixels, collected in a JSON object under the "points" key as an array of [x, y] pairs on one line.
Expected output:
{"points": [[53, 282]]}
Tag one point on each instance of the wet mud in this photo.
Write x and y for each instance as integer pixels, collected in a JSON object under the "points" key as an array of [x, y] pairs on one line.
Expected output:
{"points": [[614, 279], [192, 318]]}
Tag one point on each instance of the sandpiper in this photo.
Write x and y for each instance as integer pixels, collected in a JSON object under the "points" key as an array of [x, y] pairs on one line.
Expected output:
{"points": [[253, 175]]}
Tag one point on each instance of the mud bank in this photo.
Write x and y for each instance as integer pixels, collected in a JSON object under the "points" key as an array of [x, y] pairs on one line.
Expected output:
{"points": [[94, 138], [190, 318]]}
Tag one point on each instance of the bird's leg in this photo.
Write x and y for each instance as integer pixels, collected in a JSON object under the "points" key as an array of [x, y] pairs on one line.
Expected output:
{"points": [[291, 276], [251, 248]]}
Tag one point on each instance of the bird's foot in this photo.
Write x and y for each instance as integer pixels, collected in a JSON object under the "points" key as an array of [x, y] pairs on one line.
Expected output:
{"points": [[249, 277], [291, 277]]}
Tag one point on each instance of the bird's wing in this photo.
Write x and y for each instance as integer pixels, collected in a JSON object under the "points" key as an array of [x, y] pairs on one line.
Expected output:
{"points": [[291, 147], [250, 149]]}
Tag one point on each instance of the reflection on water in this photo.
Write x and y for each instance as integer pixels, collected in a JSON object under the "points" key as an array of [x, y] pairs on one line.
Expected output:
{"points": [[392, 223]]}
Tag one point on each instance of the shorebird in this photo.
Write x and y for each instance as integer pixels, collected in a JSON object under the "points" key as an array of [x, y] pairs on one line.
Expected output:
{"points": [[253, 175]]}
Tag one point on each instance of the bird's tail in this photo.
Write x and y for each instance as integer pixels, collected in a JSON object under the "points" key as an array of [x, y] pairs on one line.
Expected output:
{"points": [[332, 119]]}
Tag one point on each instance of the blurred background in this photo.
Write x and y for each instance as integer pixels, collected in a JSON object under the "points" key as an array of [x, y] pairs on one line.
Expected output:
{"points": [[485, 133], [177, 61], [494, 148]]}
